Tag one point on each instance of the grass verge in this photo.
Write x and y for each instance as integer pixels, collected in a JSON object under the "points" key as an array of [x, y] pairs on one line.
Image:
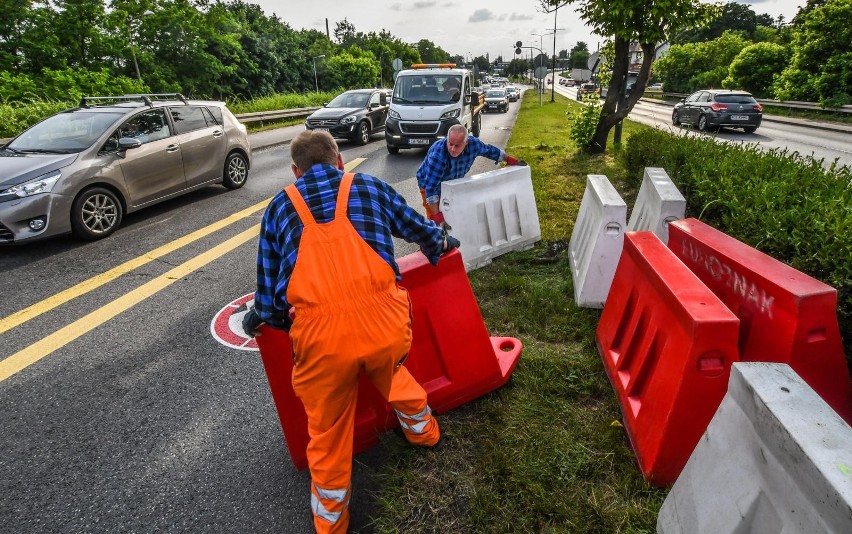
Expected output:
{"points": [[547, 452]]}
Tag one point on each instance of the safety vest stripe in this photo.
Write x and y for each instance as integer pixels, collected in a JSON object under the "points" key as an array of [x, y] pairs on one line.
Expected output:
{"points": [[320, 511], [338, 495]]}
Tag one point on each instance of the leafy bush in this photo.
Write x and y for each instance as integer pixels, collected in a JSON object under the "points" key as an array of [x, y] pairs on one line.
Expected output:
{"points": [[584, 123], [788, 206], [16, 118], [65, 84], [755, 69]]}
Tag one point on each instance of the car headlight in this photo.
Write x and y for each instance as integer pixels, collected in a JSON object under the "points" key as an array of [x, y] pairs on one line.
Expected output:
{"points": [[393, 114], [42, 184], [451, 114], [348, 120]]}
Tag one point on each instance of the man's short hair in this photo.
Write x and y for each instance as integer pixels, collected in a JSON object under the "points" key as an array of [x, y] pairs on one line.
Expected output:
{"points": [[311, 147], [457, 129]]}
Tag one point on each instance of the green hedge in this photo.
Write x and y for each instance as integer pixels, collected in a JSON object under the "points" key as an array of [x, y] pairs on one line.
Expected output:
{"points": [[788, 206]]}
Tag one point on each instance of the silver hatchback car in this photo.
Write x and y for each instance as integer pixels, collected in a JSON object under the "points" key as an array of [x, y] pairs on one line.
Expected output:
{"points": [[83, 169]]}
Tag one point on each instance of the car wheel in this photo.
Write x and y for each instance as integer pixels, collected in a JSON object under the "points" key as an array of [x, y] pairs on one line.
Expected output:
{"points": [[393, 149], [236, 171], [95, 214], [476, 127], [363, 136], [675, 118], [702, 123], [749, 129]]}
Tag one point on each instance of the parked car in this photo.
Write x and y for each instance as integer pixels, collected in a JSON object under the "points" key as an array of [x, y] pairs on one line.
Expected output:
{"points": [[589, 90], [497, 100], [713, 109], [513, 93], [355, 115], [83, 169], [654, 87]]}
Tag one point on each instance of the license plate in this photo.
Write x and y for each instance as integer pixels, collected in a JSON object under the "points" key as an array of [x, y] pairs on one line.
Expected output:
{"points": [[418, 141], [321, 129], [739, 117]]}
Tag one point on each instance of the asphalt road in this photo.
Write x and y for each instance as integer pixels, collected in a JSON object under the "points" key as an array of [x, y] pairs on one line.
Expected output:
{"points": [[121, 412]]}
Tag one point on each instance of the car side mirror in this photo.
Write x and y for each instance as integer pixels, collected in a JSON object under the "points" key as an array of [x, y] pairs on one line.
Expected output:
{"points": [[467, 98], [383, 99], [682, 100], [128, 143]]}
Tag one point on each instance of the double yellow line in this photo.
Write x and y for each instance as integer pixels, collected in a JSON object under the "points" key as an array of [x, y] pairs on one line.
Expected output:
{"points": [[45, 346]]}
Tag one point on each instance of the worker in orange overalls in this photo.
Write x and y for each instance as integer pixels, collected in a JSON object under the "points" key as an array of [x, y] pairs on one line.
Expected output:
{"points": [[326, 249]]}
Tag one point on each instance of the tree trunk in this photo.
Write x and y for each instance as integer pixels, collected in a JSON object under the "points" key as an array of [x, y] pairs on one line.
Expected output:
{"points": [[614, 110]]}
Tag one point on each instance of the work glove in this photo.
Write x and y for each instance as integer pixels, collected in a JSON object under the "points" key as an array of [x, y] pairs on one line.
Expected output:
{"points": [[251, 322], [439, 219], [452, 243], [512, 160]]}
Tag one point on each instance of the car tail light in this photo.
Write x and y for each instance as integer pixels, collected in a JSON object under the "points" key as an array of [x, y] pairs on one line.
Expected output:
{"points": [[718, 107], [758, 107]]}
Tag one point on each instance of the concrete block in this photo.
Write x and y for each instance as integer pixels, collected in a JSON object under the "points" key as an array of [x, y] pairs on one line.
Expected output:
{"points": [[774, 459], [597, 241], [491, 213], [659, 203]]}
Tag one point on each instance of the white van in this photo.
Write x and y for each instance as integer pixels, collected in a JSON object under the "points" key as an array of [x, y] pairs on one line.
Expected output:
{"points": [[427, 99]]}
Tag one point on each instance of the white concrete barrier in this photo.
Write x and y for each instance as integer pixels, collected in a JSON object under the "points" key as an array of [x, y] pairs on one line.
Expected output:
{"points": [[597, 241], [659, 202], [775, 458], [491, 213]]}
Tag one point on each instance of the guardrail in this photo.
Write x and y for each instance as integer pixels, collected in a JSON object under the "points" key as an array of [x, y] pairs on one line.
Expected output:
{"points": [[260, 116]]}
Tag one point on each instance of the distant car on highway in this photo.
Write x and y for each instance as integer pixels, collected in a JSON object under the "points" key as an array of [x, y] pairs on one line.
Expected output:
{"points": [[712, 109], [654, 87], [513, 92], [353, 115], [587, 90], [497, 100], [81, 170]]}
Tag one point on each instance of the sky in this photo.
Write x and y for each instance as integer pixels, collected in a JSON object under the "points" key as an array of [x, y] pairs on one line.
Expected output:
{"points": [[466, 27]]}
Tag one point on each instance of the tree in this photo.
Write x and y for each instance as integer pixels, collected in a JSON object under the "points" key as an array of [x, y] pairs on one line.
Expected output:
{"points": [[755, 69], [348, 70], [647, 21], [432, 53], [821, 66], [692, 66], [579, 58], [733, 16]]}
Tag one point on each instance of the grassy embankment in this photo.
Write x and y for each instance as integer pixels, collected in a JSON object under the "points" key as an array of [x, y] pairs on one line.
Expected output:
{"points": [[547, 452]]}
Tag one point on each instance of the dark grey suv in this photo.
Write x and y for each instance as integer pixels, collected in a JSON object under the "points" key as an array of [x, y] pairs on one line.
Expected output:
{"points": [[82, 169], [353, 115], [711, 109]]}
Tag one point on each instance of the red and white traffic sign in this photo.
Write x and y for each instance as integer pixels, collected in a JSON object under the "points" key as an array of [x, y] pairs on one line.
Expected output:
{"points": [[227, 324]]}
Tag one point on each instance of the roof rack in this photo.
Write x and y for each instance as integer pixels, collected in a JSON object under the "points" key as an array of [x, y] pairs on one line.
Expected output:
{"points": [[147, 99]]}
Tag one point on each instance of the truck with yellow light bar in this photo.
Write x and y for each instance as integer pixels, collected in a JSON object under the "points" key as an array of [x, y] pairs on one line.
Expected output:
{"points": [[427, 99]]}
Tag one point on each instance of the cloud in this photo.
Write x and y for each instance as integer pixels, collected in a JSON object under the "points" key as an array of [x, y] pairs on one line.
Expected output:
{"points": [[423, 5], [520, 16], [396, 7], [481, 15]]}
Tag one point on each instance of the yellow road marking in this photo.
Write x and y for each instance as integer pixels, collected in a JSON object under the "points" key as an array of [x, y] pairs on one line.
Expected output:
{"points": [[30, 312], [38, 350]]}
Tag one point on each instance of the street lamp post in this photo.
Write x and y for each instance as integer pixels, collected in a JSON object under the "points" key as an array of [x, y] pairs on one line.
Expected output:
{"points": [[316, 82], [130, 40]]}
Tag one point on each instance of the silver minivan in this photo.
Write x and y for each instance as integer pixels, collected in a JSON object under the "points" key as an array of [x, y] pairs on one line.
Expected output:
{"points": [[82, 170]]}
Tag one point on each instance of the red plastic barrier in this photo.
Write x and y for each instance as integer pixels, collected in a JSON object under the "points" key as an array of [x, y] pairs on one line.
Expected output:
{"points": [[785, 315], [452, 355], [667, 344]]}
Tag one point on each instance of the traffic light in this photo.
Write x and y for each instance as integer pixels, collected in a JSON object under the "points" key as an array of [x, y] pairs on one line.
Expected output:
{"points": [[518, 50], [518, 46]]}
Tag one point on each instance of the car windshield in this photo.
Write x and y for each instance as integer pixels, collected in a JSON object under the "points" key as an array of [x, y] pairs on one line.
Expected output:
{"points": [[427, 88], [496, 94], [67, 132], [349, 100], [735, 99]]}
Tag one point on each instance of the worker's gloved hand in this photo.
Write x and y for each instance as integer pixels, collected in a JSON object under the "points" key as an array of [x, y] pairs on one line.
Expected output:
{"points": [[452, 243], [512, 160], [251, 322]]}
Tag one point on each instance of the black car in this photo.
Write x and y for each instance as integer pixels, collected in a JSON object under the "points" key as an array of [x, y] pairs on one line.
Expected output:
{"points": [[354, 115], [711, 109]]}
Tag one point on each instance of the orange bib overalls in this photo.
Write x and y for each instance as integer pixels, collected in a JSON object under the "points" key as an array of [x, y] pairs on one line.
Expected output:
{"points": [[350, 315]]}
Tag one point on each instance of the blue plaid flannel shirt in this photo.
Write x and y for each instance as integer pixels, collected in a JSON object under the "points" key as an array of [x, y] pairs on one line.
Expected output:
{"points": [[439, 166], [375, 209]]}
